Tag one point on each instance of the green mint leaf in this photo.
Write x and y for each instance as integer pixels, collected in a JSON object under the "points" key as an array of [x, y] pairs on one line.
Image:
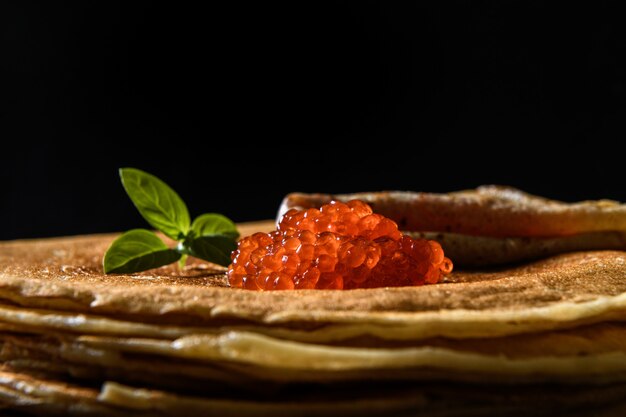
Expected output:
{"points": [[214, 224], [213, 248], [137, 250], [157, 202]]}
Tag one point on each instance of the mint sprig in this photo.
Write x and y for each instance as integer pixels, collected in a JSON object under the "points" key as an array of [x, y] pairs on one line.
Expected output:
{"points": [[157, 202], [211, 236]]}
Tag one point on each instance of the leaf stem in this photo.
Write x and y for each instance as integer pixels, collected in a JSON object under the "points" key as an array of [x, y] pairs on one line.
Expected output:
{"points": [[182, 262]]}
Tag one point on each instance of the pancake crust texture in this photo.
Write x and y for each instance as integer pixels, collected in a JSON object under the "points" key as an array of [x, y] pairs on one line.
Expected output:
{"points": [[545, 337], [491, 210], [562, 291]]}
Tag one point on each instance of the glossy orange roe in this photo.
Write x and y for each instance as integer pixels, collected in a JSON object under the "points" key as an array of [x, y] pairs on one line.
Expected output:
{"points": [[339, 246]]}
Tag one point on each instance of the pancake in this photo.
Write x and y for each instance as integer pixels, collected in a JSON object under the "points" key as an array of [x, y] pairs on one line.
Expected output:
{"points": [[44, 396], [238, 357], [544, 337], [595, 352], [40, 394], [477, 251], [491, 225], [432, 401], [495, 211], [64, 358], [65, 274]]}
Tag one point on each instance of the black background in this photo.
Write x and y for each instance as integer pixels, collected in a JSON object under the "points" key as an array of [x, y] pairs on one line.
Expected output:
{"points": [[255, 100]]}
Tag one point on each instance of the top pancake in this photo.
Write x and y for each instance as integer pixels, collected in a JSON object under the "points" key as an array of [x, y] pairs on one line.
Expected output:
{"points": [[562, 291], [486, 211]]}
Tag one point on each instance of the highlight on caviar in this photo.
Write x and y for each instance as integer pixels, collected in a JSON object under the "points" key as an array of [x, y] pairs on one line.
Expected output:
{"points": [[339, 246]]}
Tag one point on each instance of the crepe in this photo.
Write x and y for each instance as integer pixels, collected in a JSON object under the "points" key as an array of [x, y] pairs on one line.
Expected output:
{"points": [[43, 396], [492, 225], [40, 394], [478, 251], [592, 353], [365, 331], [563, 291], [486, 211], [74, 341]]}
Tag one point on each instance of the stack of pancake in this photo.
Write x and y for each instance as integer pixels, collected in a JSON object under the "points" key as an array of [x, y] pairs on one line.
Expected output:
{"points": [[544, 336]]}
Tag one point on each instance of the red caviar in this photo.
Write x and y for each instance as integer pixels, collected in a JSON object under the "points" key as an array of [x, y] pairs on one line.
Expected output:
{"points": [[339, 246]]}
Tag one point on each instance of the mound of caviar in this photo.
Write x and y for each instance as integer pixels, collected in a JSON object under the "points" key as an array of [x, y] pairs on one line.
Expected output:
{"points": [[339, 246]]}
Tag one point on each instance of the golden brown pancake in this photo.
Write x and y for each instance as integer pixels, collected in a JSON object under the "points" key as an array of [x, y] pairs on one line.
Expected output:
{"points": [[476, 251], [589, 353], [562, 291], [39, 394], [492, 225], [75, 341], [486, 211]]}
